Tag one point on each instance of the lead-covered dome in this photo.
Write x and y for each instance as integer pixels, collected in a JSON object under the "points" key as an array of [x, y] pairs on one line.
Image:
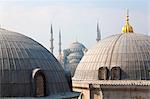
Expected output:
{"points": [[27, 68], [129, 53]]}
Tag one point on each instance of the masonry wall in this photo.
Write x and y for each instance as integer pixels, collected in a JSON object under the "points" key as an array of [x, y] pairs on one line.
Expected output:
{"points": [[84, 89], [126, 92]]}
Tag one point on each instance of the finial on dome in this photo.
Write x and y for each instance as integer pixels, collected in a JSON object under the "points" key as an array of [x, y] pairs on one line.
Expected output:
{"points": [[127, 28]]}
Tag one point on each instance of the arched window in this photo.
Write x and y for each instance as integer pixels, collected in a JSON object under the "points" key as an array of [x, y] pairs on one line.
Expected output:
{"points": [[103, 73], [116, 73], [39, 83]]}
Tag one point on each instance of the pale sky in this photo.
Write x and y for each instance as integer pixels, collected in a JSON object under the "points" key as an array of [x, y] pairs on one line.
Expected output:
{"points": [[75, 18]]}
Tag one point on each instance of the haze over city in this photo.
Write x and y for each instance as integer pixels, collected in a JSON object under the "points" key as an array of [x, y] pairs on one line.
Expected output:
{"points": [[76, 19]]}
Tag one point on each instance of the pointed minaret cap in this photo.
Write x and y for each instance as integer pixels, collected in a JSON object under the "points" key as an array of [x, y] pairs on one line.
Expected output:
{"points": [[127, 28], [51, 40], [98, 33]]}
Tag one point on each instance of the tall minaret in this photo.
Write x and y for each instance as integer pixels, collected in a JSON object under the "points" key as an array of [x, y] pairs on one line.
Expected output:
{"points": [[59, 43], [51, 40], [98, 33]]}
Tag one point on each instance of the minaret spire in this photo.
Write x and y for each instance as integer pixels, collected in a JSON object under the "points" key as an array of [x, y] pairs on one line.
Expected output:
{"points": [[59, 43], [98, 33], [51, 40]]}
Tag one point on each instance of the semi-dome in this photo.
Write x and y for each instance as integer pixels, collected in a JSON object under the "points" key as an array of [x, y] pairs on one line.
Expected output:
{"points": [[129, 52], [27, 68], [76, 55]]}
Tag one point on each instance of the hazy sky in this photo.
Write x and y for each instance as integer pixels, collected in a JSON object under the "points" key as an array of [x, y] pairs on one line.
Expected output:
{"points": [[75, 18]]}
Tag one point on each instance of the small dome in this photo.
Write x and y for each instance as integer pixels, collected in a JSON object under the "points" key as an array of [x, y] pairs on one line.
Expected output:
{"points": [[128, 51], [74, 61], [76, 46], [75, 56], [72, 56], [20, 59], [74, 52]]}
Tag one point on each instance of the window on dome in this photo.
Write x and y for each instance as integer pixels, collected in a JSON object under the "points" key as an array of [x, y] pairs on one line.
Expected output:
{"points": [[39, 84], [103, 73], [116, 73]]}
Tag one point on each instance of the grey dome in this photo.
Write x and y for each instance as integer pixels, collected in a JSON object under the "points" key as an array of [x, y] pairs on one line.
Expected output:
{"points": [[128, 51], [20, 57]]}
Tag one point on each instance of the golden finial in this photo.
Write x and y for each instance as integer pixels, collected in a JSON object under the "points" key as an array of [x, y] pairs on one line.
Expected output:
{"points": [[127, 28]]}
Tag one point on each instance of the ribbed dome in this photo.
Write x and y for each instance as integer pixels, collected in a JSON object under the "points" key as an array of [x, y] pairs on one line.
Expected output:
{"points": [[19, 57], [129, 51]]}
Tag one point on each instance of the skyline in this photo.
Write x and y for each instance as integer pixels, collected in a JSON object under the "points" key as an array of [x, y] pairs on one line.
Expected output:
{"points": [[74, 18]]}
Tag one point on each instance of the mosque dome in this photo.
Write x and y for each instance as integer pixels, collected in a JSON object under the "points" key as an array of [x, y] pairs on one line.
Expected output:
{"points": [[75, 52], [75, 55], [72, 56], [124, 56], [76, 47], [27, 68], [128, 51]]}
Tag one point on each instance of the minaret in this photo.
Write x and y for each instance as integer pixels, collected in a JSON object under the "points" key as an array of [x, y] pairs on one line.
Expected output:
{"points": [[59, 43], [98, 33], [51, 40]]}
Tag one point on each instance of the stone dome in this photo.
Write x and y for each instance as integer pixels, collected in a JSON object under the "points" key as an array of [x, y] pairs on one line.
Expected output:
{"points": [[21, 59], [130, 52]]}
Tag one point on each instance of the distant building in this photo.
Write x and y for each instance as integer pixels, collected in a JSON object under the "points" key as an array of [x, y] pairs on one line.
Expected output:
{"points": [[27, 69], [71, 56], [117, 67]]}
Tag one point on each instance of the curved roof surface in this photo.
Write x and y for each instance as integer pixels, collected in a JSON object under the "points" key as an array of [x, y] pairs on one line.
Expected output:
{"points": [[76, 45], [19, 56], [129, 51], [75, 51]]}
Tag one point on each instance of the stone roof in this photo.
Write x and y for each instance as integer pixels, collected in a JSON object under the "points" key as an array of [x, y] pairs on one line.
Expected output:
{"points": [[19, 56], [114, 82], [129, 51]]}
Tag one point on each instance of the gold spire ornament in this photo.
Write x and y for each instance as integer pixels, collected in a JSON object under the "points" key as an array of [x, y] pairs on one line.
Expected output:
{"points": [[127, 28]]}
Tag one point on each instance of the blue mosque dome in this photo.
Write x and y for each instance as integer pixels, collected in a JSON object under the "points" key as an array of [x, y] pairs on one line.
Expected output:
{"points": [[72, 56]]}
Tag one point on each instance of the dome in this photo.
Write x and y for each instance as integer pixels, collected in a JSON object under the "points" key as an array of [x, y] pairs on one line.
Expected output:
{"points": [[128, 51], [75, 56], [74, 52], [22, 61], [72, 56], [76, 46]]}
